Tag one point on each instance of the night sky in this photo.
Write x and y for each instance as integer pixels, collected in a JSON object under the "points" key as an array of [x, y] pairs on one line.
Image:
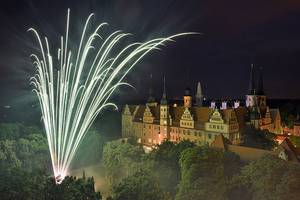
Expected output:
{"points": [[235, 34]]}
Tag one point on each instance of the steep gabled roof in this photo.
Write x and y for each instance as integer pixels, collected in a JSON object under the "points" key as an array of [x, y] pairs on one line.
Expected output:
{"points": [[155, 111], [202, 114], [274, 113], [290, 150], [176, 113], [139, 113], [220, 142], [132, 108]]}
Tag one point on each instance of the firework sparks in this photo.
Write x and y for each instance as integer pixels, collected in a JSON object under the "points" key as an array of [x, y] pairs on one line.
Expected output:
{"points": [[72, 97]]}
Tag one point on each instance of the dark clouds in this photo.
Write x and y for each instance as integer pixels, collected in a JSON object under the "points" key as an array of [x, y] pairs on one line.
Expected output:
{"points": [[236, 34]]}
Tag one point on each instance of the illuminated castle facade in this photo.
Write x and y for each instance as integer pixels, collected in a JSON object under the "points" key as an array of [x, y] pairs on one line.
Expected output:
{"points": [[154, 122]]}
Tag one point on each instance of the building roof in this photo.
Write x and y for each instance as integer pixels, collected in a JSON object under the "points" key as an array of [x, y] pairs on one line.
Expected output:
{"points": [[201, 115], [220, 142], [274, 113], [248, 153], [289, 149], [138, 113]]}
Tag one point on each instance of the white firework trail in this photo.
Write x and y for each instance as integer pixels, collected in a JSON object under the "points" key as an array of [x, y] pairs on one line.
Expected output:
{"points": [[72, 97]]}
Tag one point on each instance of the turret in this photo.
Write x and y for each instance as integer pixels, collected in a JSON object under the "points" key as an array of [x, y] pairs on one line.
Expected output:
{"points": [[187, 98], [164, 117], [251, 96], [164, 109], [261, 97]]}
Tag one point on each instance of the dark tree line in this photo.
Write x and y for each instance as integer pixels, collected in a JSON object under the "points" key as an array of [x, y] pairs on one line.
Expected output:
{"points": [[25, 168], [184, 171]]}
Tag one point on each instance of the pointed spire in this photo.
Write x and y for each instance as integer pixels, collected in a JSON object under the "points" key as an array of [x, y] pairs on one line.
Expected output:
{"points": [[199, 95], [260, 85], [151, 98], [199, 90], [164, 96], [251, 81]]}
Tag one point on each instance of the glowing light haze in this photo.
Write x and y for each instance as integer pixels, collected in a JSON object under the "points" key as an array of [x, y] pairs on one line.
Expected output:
{"points": [[71, 97]]}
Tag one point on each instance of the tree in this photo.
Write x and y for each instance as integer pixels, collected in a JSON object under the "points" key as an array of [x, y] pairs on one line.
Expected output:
{"points": [[8, 158], [295, 140], [288, 114], [206, 173], [270, 178], [256, 138], [24, 161], [9, 131], [121, 159], [141, 185], [71, 189], [166, 164]]}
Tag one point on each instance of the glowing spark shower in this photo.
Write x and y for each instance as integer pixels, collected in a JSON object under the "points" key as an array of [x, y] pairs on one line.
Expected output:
{"points": [[71, 97]]}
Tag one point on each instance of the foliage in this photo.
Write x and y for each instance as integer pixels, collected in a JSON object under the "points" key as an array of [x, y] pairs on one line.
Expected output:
{"points": [[71, 189], [166, 164], [206, 173], [295, 140], [288, 114], [270, 178], [121, 159], [21, 184], [141, 185], [256, 138], [25, 165]]}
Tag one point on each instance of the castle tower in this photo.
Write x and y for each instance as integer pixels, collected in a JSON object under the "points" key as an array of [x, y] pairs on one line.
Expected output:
{"points": [[164, 116], [164, 110], [261, 97], [251, 96], [199, 95], [256, 99], [187, 98]]}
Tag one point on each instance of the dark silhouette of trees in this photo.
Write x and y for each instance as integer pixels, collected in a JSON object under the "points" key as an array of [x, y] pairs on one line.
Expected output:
{"points": [[25, 168], [262, 139], [71, 189], [141, 185]]}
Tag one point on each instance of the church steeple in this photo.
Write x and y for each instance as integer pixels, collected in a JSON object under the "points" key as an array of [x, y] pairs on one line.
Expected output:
{"points": [[260, 84], [199, 95], [251, 89], [151, 98], [163, 100]]}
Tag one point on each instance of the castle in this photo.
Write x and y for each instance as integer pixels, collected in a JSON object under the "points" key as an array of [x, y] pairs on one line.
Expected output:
{"points": [[154, 122]]}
